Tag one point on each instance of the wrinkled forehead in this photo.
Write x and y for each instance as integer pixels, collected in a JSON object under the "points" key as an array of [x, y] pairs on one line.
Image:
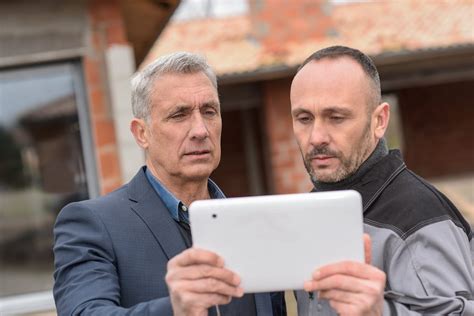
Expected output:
{"points": [[189, 89]]}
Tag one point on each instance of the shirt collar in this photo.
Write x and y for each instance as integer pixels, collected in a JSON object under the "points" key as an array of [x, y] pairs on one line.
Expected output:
{"points": [[171, 202]]}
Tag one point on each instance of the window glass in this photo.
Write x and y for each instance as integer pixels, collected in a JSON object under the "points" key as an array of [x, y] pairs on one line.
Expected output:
{"points": [[41, 170]]}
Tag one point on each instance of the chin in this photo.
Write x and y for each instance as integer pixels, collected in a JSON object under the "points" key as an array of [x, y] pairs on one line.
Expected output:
{"points": [[199, 174], [326, 177]]}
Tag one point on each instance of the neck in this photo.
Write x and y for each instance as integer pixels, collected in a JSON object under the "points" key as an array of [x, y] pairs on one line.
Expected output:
{"points": [[184, 190], [380, 151]]}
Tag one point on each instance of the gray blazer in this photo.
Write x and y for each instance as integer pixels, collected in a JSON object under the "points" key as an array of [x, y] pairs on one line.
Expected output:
{"points": [[110, 254]]}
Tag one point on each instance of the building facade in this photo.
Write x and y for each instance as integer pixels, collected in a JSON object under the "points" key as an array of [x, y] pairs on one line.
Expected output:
{"points": [[65, 69]]}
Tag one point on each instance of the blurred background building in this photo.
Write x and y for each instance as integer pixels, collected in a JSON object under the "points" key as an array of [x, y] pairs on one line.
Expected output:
{"points": [[65, 101]]}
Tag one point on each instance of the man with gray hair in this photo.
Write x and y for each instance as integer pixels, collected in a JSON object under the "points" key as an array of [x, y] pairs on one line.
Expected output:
{"points": [[128, 252]]}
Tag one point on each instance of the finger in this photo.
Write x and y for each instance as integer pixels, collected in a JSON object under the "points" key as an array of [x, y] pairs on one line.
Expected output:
{"points": [[193, 256], [343, 308], [346, 283], [204, 300], [350, 268], [209, 286], [368, 249], [338, 295], [197, 272]]}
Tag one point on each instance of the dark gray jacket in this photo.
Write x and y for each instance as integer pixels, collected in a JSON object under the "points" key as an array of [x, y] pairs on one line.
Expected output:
{"points": [[111, 254], [419, 239]]}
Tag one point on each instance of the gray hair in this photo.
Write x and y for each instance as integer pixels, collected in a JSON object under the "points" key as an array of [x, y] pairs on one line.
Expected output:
{"points": [[175, 63]]}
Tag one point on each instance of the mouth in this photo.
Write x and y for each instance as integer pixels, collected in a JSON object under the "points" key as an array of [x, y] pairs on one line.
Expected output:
{"points": [[322, 161], [198, 153], [321, 157]]}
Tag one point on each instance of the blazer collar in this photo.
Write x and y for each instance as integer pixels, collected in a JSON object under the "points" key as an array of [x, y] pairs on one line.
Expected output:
{"points": [[150, 208]]}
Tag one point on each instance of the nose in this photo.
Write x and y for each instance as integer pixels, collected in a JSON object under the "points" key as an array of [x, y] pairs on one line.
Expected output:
{"points": [[319, 136], [198, 127]]}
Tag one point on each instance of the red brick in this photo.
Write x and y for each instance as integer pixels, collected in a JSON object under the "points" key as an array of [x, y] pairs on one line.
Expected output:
{"points": [[109, 164], [92, 72], [110, 185], [278, 30], [104, 132], [97, 39], [437, 122], [104, 10], [98, 106], [115, 34]]}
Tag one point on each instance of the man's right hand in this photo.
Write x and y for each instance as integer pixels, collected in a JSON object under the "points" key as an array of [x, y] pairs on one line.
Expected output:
{"points": [[197, 280]]}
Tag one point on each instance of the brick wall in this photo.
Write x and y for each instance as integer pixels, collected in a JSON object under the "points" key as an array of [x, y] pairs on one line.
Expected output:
{"points": [[310, 20], [288, 172], [438, 129], [231, 175], [106, 28]]}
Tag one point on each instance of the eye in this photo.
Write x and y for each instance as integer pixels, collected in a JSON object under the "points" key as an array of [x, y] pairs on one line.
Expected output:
{"points": [[178, 116], [210, 111], [304, 118], [337, 118]]}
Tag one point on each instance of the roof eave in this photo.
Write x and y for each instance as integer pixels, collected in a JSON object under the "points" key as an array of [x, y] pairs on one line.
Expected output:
{"points": [[391, 65], [144, 21]]}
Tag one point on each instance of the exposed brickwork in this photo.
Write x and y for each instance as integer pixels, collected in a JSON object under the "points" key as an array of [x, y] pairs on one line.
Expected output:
{"points": [[289, 174], [309, 20], [234, 44], [232, 175], [447, 142], [106, 29], [438, 128]]}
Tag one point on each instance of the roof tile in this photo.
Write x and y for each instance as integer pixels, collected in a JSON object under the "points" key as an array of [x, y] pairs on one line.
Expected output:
{"points": [[373, 27]]}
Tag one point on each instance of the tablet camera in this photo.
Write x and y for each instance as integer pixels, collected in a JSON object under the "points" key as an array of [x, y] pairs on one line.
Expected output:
{"points": [[214, 215]]}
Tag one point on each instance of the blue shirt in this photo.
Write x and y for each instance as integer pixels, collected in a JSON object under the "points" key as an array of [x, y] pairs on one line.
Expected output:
{"points": [[173, 205], [171, 202]]}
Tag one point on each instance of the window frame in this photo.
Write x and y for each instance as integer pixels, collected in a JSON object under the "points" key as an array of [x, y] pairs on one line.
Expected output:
{"points": [[43, 301]]}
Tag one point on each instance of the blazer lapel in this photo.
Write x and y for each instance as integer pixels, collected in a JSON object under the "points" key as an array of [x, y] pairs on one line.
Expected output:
{"points": [[150, 208]]}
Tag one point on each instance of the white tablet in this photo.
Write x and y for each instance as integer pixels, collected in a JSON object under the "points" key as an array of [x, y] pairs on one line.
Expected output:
{"points": [[275, 242]]}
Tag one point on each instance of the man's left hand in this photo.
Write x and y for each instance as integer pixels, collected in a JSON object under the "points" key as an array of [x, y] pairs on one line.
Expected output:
{"points": [[352, 288]]}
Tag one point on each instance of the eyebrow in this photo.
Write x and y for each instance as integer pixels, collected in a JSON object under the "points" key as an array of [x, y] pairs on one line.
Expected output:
{"points": [[211, 104], [179, 108], [325, 111], [337, 109], [187, 108]]}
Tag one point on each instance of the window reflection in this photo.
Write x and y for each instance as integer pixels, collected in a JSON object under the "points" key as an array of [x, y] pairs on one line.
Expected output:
{"points": [[41, 170]]}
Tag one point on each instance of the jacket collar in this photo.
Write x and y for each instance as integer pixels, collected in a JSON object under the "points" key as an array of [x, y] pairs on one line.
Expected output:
{"points": [[150, 208], [377, 178]]}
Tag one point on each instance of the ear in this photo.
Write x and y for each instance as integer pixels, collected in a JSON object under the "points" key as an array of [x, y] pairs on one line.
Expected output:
{"points": [[139, 129], [381, 117]]}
